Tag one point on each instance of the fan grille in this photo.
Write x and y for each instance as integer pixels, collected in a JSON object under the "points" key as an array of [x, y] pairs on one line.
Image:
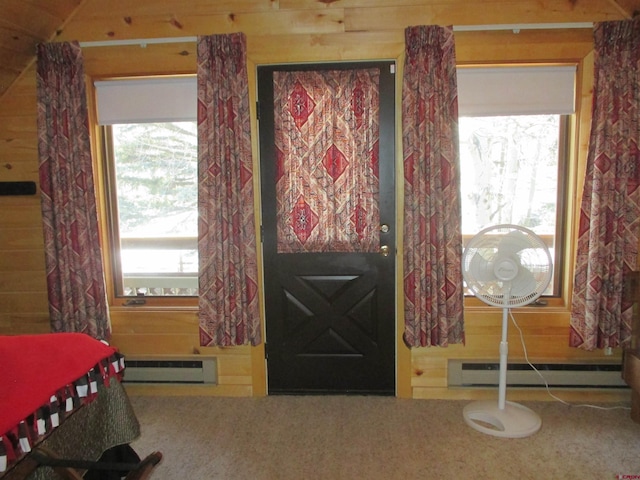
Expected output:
{"points": [[507, 266]]}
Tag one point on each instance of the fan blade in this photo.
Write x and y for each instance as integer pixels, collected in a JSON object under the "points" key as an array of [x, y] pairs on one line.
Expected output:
{"points": [[481, 268], [524, 283], [513, 242]]}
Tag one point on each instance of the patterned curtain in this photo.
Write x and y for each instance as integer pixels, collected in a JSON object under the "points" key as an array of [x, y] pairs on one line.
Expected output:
{"points": [[327, 153], [228, 299], [432, 236], [610, 211], [75, 276]]}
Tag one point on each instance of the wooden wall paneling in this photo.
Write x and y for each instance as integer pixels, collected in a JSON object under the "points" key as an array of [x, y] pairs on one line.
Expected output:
{"points": [[25, 90], [22, 259], [115, 27], [126, 8], [135, 344], [7, 77], [19, 156], [12, 201], [505, 46], [429, 372], [269, 49], [19, 215], [624, 8], [13, 302], [29, 238], [27, 23], [325, 5], [18, 150], [476, 13], [235, 364], [23, 25], [152, 59], [154, 321], [24, 282], [24, 323], [152, 333], [17, 165], [18, 130], [19, 126], [38, 17], [234, 370], [628, 8]]}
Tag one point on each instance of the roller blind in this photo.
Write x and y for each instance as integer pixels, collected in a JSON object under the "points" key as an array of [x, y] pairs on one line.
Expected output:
{"points": [[516, 91], [148, 100]]}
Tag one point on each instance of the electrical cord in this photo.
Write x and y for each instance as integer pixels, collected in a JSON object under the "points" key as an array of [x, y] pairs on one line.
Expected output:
{"points": [[546, 384]]}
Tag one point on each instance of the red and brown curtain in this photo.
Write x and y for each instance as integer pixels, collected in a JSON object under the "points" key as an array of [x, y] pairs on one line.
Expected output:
{"points": [[75, 275], [432, 234], [327, 160], [610, 210], [228, 299]]}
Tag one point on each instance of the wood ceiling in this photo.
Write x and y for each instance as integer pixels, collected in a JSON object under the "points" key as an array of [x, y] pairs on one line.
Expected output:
{"points": [[25, 23]]}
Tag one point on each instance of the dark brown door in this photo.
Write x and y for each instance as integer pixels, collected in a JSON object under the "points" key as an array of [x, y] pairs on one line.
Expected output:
{"points": [[330, 315]]}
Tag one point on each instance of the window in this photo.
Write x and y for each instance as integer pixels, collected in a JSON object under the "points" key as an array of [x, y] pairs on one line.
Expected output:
{"points": [[513, 137], [150, 151], [512, 171], [153, 199]]}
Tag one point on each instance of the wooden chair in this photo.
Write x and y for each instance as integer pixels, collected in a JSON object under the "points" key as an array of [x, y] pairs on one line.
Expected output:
{"points": [[69, 469]]}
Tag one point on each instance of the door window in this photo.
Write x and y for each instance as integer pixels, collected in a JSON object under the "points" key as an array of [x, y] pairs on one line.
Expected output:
{"points": [[326, 143]]}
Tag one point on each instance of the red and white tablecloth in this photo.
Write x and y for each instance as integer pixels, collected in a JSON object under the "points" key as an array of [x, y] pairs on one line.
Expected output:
{"points": [[45, 378]]}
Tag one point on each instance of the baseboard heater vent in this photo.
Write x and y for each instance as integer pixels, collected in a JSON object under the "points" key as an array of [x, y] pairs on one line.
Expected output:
{"points": [[486, 374], [190, 371]]}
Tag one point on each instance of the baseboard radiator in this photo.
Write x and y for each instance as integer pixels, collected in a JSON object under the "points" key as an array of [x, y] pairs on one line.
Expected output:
{"points": [[171, 371], [463, 373]]}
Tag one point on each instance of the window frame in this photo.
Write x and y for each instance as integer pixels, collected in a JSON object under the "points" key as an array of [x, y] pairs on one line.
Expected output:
{"points": [[112, 237], [561, 250], [559, 256]]}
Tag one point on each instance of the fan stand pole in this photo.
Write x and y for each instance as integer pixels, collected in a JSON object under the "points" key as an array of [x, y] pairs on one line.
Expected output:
{"points": [[504, 354], [504, 419]]}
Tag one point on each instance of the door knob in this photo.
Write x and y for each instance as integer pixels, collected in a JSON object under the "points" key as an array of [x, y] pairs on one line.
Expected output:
{"points": [[384, 250]]}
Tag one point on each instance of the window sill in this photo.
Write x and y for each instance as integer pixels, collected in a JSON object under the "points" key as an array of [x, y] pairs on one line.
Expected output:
{"points": [[153, 308]]}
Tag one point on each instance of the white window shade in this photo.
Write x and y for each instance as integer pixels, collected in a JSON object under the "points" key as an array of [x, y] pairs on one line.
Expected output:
{"points": [[516, 91], [148, 100]]}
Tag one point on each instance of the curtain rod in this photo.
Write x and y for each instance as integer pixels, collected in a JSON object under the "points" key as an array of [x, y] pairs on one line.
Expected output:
{"points": [[143, 42], [516, 28]]}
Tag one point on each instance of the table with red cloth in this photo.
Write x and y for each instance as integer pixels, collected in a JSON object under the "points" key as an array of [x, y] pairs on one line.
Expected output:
{"points": [[62, 391]]}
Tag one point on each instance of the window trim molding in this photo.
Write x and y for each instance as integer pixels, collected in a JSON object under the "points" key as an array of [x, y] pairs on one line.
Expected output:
{"points": [[561, 251], [112, 238]]}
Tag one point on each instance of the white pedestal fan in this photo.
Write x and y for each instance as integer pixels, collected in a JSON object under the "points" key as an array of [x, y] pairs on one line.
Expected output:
{"points": [[505, 266]]}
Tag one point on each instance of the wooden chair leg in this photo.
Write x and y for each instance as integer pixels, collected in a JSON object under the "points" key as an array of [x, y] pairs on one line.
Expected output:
{"points": [[146, 467], [67, 469], [42, 456]]}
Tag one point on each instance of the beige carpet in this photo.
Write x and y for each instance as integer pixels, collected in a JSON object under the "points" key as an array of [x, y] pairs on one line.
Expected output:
{"points": [[371, 438]]}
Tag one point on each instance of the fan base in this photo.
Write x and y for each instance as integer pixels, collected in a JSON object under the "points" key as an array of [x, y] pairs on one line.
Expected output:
{"points": [[514, 421]]}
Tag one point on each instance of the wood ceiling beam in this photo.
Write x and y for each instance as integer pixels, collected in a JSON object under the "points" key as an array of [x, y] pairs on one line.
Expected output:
{"points": [[628, 8], [52, 37]]}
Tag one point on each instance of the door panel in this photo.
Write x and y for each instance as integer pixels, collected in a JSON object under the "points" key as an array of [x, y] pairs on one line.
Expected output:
{"points": [[330, 316]]}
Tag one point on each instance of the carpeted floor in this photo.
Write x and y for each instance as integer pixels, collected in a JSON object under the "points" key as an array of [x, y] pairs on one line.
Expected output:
{"points": [[336, 437]]}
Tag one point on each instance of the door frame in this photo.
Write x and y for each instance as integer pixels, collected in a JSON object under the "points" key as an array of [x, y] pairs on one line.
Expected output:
{"points": [[258, 363]]}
